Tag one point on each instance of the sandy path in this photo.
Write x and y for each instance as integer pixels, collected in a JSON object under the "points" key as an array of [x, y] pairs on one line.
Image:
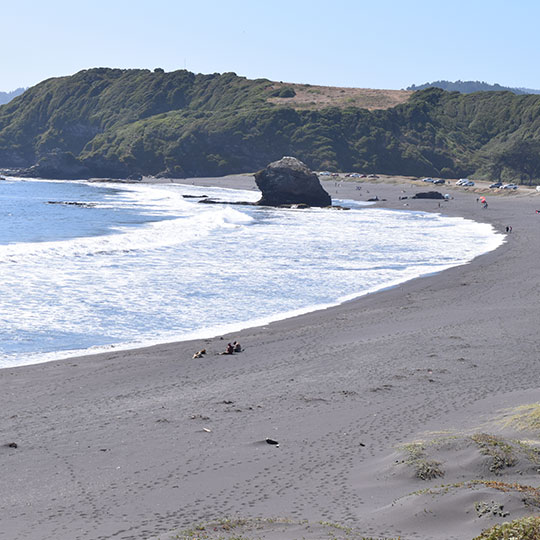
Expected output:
{"points": [[113, 445]]}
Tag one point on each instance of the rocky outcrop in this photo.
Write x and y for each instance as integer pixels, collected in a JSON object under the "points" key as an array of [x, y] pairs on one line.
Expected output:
{"points": [[428, 195], [56, 164], [290, 182]]}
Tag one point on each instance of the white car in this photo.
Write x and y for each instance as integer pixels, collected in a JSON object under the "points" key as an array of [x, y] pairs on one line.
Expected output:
{"points": [[509, 186], [468, 183], [461, 181]]}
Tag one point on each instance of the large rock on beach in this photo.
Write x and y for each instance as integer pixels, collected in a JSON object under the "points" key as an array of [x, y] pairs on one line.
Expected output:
{"points": [[290, 182], [428, 195]]}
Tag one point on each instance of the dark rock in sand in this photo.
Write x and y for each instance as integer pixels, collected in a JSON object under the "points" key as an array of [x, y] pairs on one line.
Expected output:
{"points": [[289, 181], [208, 200], [428, 195]]}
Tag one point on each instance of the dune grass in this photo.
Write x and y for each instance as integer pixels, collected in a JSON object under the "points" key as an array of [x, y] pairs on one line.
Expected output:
{"points": [[256, 528], [525, 418], [424, 468], [520, 529]]}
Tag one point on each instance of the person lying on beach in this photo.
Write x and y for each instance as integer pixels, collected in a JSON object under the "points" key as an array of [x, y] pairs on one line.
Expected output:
{"points": [[199, 354]]}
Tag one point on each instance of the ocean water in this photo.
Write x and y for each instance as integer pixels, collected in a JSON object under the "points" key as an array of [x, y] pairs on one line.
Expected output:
{"points": [[135, 264]]}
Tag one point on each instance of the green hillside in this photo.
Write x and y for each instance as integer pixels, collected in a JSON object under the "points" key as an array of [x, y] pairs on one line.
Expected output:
{"points": [[115, 123]]}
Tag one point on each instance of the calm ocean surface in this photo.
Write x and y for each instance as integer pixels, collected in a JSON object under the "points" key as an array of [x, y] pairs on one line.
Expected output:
{"points": [[139, 264]]}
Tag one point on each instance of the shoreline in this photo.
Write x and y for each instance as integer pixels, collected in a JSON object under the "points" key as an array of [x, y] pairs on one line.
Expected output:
{"points": [[214, 332], [121, 438]]}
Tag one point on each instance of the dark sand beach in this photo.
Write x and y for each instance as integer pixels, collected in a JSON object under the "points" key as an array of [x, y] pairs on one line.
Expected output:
{"points": [[148, 443]]}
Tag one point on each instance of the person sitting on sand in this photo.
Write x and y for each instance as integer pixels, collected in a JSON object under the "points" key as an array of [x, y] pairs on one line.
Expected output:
{"points": [[199, 354], [229, 349], [237, 347]]}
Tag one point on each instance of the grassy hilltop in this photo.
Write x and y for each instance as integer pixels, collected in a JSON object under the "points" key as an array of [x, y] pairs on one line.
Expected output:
{"points": [[113, 122]]}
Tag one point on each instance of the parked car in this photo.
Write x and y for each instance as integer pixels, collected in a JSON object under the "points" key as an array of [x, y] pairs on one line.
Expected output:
{"points": [[496, 185], [509, 186], [372, 176], [537, 188], [427, 179], [461, 181], [439, 181]]}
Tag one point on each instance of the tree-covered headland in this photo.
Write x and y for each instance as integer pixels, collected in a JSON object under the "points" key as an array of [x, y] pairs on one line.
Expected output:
{"points": [[115, 123]]}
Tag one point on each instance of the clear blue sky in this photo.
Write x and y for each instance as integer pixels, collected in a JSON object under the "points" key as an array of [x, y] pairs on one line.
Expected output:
{"points": [[371, 44]]}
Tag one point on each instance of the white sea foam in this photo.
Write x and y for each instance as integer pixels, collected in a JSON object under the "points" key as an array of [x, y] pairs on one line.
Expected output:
{"points": [[195, 223], [193, 270]]}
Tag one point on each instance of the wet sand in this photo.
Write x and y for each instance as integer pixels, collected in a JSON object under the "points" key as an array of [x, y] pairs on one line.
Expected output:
{"points": [[144, 443]]}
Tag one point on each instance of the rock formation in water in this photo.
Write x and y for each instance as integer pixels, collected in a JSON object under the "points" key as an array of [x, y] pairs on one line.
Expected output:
{"points": [[290, 182]]}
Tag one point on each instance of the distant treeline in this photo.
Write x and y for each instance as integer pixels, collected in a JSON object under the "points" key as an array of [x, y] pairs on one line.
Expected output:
{"points": [[468, 87], [6, 97], [116, 123]]}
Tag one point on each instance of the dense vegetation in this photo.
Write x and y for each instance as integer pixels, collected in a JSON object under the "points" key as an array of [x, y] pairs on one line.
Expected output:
{"points": [[468, 87], [112, 122]]}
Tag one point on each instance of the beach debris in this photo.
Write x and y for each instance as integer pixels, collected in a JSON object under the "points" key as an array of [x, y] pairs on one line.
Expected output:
{"points": [[272, 441], [208, 430], [103, 449], [12, 445], [228, 401], [199, 417], [482, 508], [381, 388]]}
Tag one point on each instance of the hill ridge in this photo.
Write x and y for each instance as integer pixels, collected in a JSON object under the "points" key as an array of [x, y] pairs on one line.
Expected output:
{"points": [[468, 87], [107, 122]]}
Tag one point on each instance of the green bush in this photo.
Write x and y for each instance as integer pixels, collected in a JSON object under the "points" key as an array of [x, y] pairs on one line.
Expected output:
{"points": [[519, 529]]}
